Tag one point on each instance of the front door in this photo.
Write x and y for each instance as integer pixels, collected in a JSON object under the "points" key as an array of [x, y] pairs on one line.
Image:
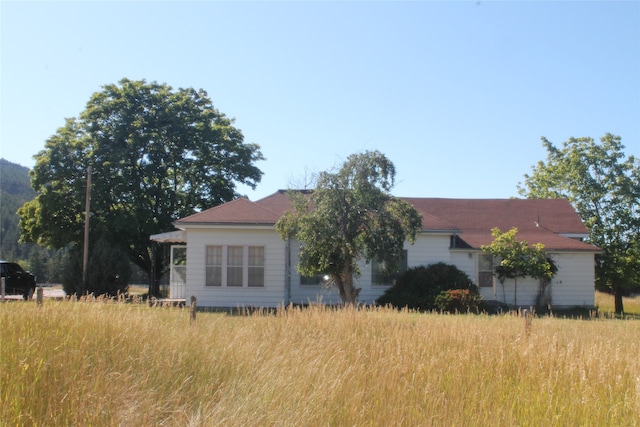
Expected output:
{"points": [[178, 273]]}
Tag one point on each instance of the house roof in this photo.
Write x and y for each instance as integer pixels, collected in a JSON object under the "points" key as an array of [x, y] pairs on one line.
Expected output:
{"points": [[178, 236], [238, 211], [546, 221]]}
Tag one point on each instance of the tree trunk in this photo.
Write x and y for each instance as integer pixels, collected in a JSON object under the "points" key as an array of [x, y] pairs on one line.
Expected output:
{"points": [[348, 293], [543, 301], [618, 302]]}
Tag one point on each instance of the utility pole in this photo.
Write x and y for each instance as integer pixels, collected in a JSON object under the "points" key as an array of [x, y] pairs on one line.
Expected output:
{"points": [[87, 209]]}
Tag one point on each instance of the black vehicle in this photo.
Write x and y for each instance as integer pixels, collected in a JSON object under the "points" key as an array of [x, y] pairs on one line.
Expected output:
{"points": [[17, 281]]}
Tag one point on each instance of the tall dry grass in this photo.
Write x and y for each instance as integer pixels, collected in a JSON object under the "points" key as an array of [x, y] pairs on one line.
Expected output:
{"points": [[81, 363], [606, 304]]}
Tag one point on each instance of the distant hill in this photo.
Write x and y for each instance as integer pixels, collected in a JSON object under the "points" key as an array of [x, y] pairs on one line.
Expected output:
{"points": [[15, 190]]}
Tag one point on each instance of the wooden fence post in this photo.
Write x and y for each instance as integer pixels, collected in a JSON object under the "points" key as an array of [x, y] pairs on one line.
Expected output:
{"points": [[39, 295], [528, 320], [194, 304]]}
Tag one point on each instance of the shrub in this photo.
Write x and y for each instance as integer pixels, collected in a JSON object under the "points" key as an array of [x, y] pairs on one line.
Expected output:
{"points": [[459, 300], [419, 287]]}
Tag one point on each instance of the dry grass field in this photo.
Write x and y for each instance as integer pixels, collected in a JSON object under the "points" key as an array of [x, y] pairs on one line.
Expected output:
{"points": [[605, 304], [97, 363]]}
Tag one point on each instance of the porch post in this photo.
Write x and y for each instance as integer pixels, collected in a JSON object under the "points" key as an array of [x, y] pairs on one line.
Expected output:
{"points": [[153, 269]]}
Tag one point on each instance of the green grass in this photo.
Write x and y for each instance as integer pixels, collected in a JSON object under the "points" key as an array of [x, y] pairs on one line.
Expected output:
{"points": [[99, 363]]}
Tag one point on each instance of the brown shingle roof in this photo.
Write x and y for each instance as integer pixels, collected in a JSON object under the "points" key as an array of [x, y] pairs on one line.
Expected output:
{"points": [[238, 211], [278, 202], [538, 220], [556, 215]]}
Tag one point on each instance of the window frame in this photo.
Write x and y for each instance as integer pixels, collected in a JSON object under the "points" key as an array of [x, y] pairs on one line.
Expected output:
{"points": [[235, 264], [379, 278], [252, 266], [214, 269], [481, 270]]}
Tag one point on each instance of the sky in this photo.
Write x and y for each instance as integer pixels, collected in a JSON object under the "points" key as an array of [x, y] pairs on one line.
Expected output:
{"points": [[456, 94]]}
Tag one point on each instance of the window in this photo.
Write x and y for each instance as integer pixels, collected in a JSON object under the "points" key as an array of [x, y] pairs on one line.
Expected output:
{"points": [[316, 280], [235, 266], [214, 266], [381, 277], [256, 266], [485, 270]]}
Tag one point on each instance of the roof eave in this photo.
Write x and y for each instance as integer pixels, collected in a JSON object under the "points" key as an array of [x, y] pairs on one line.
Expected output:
{"points": [[186, 225], [440, 231], [575, 235]]}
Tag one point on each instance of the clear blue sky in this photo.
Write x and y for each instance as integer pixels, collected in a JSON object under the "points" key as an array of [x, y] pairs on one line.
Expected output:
{"points": [[456, 94]]}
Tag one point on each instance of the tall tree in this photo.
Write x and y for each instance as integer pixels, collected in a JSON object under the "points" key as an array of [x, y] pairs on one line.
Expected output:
{"points": [[603, 184], [157, 154], [350, 216]]}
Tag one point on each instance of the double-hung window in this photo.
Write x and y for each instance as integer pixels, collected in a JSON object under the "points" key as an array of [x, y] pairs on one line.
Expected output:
{"points": [[235, 263], [235, 266], [255, 267], [214, 266], [380, 276], [485, 270]]}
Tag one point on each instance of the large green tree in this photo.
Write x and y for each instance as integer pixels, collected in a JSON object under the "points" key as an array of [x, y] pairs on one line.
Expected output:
{"points": [[350, 216], [603, 184], [157, 154]]}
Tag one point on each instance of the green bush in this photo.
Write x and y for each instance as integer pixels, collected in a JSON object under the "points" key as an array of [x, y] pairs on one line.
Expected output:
{"points": [[459, 300], [419, 287]]}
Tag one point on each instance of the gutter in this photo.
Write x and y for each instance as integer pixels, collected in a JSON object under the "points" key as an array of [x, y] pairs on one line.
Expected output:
{"points": [[287, 272]]}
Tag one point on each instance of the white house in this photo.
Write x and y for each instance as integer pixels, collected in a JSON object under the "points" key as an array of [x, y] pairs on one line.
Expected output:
{"points": [[231, 255]]}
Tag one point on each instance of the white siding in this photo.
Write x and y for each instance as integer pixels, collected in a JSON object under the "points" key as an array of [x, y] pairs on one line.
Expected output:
{"points": [[370, 292], [428, 249], [271, 295], [467, 261], [574, 285], [521, 292]]}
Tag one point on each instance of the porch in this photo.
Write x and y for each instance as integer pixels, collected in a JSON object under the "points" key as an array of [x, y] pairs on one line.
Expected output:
{"points": [[177, 263]]}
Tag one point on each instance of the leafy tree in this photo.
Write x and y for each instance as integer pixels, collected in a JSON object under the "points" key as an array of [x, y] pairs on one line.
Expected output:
{"points": [[350, 216], [157, 154], [517, 259], [108, 271], [38, 265], [604, 186], [419, 287], [55, 265]]}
